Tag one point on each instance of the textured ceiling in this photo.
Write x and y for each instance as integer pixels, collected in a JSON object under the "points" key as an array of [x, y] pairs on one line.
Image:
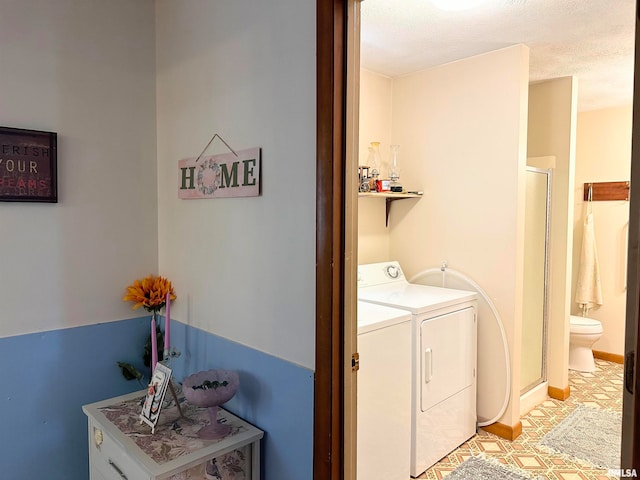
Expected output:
{"points": [[591, 39]]}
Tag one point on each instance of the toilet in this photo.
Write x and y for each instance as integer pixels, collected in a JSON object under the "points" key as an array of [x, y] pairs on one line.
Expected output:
{"points": [[583, 333]]}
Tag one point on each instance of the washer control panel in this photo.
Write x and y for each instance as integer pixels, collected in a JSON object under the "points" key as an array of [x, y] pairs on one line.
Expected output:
{"points": [[379, 274], [393, 271]]}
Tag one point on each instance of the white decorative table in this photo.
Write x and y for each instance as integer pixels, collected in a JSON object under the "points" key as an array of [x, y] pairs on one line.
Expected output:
{"points": [[123, 448]]}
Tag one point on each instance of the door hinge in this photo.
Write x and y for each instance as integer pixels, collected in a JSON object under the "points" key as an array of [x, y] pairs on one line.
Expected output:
{"points": [[355, 362], [629, 364]]}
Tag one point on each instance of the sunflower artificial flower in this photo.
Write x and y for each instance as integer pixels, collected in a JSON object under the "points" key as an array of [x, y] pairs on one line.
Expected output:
{"points": [[150, 293]]}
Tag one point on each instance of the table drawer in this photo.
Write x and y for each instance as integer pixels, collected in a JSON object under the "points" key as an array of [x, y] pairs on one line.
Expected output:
{"points": [[110, 461], [95, 475]]}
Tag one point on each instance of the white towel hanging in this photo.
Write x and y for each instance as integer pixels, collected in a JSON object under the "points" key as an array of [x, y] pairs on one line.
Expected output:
{"points": [[588, 289]]}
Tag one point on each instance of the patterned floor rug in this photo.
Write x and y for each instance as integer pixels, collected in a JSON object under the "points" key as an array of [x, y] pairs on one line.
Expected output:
{"points": [[477, 468], [588, 435]]}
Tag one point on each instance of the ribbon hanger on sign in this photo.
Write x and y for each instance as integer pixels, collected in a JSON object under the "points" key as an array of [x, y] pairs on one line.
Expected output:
{"points": [[210, 142]]}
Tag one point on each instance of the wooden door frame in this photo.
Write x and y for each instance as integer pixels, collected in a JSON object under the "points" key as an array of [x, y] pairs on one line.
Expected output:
{"points": [[630, 458], [328, 437], [328, 457]]}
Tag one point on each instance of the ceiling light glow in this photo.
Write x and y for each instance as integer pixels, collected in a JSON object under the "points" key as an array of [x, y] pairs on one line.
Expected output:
{"points": [[456, 5]]}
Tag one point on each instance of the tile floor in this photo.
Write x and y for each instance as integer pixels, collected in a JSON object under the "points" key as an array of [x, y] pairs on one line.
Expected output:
{"points": [[601, 389]]}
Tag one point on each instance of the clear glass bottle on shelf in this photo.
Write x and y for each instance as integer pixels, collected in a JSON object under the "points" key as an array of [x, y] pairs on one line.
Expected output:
{"points": [[394, 168], [375, 162]]}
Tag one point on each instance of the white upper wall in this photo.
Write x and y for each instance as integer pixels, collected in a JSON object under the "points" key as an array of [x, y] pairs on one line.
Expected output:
{"points": [[243, 268], [462, 132], [375, 126], [552, 132], [85, 70], [376, 102], [603, 154]]}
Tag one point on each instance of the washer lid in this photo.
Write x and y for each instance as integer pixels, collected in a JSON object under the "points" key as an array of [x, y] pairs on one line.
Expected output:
{"points": [[374, 317]]}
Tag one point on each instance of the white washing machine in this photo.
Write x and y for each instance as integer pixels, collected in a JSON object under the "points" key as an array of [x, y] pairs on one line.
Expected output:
{"points": [[384, 392], [443, 352]]}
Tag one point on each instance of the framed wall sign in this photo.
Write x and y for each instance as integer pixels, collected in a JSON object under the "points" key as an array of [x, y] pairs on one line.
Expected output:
{"points": [[234, 174], [28, 166]]}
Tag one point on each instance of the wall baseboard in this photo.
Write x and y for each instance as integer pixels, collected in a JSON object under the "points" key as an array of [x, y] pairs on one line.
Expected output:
{"points": [[559, 393], [609, 357], [505, 431]]}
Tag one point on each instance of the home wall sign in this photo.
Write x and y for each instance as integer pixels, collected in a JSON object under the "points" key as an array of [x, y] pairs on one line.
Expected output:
{"points": [[233, 174], [28, 166]]}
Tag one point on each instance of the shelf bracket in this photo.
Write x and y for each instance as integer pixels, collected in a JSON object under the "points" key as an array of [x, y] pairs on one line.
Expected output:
{"points": [[390, 197], [388, 209]]}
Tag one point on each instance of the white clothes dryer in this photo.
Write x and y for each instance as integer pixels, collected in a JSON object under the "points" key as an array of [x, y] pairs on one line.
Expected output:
{"points": [[443, 366], [384, 393]]}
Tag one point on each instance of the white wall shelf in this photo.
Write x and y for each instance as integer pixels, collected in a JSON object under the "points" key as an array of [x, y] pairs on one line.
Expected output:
{"points": [[389, 197]]}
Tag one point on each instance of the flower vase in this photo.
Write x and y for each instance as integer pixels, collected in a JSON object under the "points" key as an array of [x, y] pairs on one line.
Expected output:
{"points": [[154, 341], [155, 338]]}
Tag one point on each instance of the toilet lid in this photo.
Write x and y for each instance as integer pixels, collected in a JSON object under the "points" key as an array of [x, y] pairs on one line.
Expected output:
{"points": [[584, 325], [576, 320]]}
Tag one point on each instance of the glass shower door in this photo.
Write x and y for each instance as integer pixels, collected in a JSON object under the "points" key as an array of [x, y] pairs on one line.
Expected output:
{"points": [[534, 320]]}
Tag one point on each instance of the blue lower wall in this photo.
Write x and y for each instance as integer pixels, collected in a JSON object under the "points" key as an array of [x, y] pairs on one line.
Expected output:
{"points": [[274, 395], [47, 377]]}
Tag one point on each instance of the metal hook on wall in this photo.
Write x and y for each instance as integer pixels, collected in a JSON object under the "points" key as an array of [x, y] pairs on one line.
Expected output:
{"points": [[603, 191]]}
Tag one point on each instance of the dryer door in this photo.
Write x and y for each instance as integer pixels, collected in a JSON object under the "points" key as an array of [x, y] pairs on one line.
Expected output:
{"points": [[448, 356]]}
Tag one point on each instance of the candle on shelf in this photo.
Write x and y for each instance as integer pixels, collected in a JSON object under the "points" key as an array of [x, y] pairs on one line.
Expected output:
{"points": [[154, 343], [167, 325]]}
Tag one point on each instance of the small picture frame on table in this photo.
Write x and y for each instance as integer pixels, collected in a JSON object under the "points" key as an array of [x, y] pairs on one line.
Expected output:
{"points": [[155, 395]]}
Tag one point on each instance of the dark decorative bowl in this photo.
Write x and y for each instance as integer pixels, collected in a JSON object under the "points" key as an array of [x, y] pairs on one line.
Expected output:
{"points": [[210, 389]]}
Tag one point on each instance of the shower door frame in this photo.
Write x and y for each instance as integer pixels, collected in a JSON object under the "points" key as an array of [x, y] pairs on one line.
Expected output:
{"points": [[545, 301]]}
